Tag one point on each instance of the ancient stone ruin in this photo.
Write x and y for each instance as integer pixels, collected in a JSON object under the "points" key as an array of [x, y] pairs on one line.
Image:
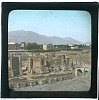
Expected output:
{"points": [[40, 68]]}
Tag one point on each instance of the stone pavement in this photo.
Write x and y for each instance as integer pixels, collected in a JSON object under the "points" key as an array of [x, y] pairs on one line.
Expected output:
{"points": [[80, 83]]}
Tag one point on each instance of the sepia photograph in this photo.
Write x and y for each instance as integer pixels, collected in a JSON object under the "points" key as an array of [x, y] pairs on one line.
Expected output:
{"points": [[49, 50]]}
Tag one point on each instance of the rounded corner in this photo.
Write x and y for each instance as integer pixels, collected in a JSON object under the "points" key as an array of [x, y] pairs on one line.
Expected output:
{"points": [[88, 12], [10, 12]]}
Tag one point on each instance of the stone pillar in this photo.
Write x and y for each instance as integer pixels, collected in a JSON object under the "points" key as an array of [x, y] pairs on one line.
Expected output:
{"points": [[63, 60], [83, 70], [18, 85], [75, 72], [67, 61], [63, 56], [10, 62], [30, 64], [32, 71], [20, 65]]}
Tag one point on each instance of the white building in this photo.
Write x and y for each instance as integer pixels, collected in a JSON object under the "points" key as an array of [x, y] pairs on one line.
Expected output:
{"points": [[48, 47]]}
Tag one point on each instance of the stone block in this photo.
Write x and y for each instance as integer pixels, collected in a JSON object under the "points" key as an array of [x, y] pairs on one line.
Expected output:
{"points": [[55, 80], [42, 82], [61, 78], [33, 83]]}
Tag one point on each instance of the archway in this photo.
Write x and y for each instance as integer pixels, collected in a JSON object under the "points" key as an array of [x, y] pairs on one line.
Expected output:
{"points": [[79, 72]]}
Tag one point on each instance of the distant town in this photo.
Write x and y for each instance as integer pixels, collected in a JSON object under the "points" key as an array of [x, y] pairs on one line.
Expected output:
{"points": [[45, 47], [37, 65]]}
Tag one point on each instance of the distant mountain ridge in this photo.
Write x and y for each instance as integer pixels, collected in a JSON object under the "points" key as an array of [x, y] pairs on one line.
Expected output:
{"points": [[30, 36]]}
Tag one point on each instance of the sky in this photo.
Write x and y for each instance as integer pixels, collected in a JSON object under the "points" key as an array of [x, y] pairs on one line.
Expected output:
{"points": [[62, 23]]}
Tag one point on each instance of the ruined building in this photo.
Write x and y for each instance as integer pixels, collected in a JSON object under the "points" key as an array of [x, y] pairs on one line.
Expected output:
{"points": [[31, 69], [40, 64], [14, 66]]}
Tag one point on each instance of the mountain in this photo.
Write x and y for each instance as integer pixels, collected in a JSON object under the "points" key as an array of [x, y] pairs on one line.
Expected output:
{"points": [[29, 36]]}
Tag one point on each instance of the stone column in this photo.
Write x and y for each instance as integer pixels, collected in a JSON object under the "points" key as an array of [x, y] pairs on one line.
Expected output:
{"points": [[67, 61], [10, 63], [83, 70], [30, 64], [20, 65], [63, 60], [75, 72]]}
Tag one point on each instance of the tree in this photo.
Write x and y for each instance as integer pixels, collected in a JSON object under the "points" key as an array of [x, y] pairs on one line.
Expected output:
{"points": [[31, 46]]}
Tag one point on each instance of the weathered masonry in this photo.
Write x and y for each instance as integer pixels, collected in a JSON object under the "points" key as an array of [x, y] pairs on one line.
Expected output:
{"points": [[38, 64], [42, 63], [14, 66]]}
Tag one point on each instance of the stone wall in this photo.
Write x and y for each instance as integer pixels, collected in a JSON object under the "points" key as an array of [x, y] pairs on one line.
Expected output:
{"points": [[14, 66]]}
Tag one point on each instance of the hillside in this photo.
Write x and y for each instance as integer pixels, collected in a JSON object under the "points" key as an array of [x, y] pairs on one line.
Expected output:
{"points": [[29, 36]]}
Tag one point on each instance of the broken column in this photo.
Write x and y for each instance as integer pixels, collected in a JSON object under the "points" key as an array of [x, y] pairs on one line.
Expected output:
{"points": [[63, 63], [68, 61], [20, 65], [75, 72], [10, 62], [30, 64], [63, 56], [63, 60]]}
